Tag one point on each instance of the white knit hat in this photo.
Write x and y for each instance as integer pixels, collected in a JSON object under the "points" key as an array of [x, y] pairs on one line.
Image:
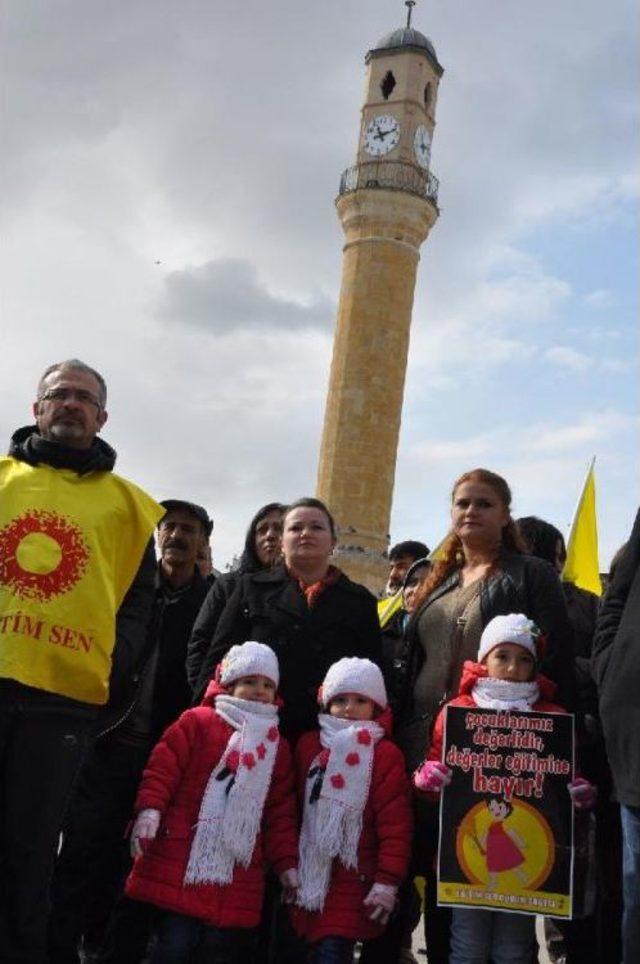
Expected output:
{"points": [[353, 675], [514, 628], [249, 659]]}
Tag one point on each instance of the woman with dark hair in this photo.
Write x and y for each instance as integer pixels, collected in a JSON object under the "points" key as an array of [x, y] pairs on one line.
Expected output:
{"points": [[262, 550], [262, 545], [482, 571], [306, 609]]}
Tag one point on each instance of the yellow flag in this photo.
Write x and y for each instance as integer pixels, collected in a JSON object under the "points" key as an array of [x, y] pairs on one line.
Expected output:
{"points": [[436, 554], [388, 607], [581, 566]]}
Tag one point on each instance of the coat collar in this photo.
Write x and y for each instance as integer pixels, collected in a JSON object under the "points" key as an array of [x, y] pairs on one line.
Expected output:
{"points": [[27, 445], [196, 584]]}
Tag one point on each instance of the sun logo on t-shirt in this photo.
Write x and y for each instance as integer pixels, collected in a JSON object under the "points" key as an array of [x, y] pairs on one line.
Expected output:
{"points": [[42, 554]]}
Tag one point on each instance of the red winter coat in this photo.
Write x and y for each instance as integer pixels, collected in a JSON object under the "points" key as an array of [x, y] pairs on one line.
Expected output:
{"points": [[471, 673], [174, 782], [383, 851]]}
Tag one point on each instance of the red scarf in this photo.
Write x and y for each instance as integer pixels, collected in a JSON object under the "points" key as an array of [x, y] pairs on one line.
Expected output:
{"points": [[313, 591]]}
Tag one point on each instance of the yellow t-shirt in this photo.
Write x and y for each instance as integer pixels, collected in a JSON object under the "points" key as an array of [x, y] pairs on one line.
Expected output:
{"points": [[70, 546]]}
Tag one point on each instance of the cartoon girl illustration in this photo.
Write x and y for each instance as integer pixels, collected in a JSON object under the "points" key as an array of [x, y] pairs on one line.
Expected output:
{"points": [[501, 847]]}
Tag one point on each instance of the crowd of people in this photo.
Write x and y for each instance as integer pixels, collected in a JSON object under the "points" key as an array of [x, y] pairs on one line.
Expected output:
{"points": [[245, 766]]}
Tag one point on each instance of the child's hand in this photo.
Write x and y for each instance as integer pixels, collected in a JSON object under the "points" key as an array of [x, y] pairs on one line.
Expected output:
{"points": [[145, 828], [382, 900], [432, 776], [583, 794], [290, 884]]}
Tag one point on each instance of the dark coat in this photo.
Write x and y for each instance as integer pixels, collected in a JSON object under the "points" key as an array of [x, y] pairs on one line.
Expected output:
{"points": [[396, 651], [172, 622], [174, 782], [616, 668], [524, 584], [268, 606], [159, 691], [583, 608], [204, 628], [383, 849]]}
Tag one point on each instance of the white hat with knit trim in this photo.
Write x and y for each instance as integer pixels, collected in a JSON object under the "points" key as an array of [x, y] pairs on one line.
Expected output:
{"points": [[249, 659], [513, 628], [354, 675]]}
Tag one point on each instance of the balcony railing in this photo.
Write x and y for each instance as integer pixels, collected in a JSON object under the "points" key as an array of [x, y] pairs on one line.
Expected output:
{"points": [[394, 175]]}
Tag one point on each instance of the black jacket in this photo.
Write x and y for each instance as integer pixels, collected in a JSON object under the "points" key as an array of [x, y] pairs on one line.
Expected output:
{"points": [[269, 607], [616, 668], [204, 628], [133, 615], [174, 614], [524, 584], [396, 651]]}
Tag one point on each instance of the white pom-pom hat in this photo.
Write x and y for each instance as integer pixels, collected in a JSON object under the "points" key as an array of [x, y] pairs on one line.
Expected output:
{"points": [[249, 659], [514, 628], [354, 675]]}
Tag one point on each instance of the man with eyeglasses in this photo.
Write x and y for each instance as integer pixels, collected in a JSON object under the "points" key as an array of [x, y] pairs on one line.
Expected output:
{"points": [[76, 586]]}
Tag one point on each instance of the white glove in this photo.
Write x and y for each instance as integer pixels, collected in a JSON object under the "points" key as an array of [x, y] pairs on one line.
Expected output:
{"points": [[145, 827], [290, 884], [382, 900]]}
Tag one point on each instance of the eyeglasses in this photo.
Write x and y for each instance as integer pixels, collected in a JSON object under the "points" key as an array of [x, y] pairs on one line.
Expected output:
{"points": [[64, 394]]}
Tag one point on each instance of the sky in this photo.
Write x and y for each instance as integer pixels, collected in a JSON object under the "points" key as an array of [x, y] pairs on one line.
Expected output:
{"points": [[169, 176]]}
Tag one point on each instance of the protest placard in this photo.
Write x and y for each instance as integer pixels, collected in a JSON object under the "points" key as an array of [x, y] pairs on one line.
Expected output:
{"points": [[506, 819]]}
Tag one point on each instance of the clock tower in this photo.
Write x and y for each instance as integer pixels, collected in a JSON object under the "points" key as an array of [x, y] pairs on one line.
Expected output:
{"points": [[387, 204]]}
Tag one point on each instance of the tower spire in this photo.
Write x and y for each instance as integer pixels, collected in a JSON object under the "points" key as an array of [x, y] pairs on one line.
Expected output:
{"points": [[409, 4]]}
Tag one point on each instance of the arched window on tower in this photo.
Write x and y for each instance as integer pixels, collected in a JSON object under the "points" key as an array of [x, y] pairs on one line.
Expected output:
{"points": [[427, 96], [387, 85]]}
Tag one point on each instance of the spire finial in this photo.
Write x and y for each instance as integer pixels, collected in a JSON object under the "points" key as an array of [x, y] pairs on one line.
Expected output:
{"points": [[409, 4]]}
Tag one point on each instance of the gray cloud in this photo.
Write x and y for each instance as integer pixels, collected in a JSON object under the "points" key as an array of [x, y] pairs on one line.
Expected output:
{"points": [[227, 293]]}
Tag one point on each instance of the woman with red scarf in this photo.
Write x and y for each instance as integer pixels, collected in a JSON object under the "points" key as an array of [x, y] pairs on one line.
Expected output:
{"points": [[306, 610]]}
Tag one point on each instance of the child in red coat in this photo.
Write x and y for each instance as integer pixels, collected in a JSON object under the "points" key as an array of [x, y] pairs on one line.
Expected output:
{"points": [[216, 802], [504, 678], [357, 823]]}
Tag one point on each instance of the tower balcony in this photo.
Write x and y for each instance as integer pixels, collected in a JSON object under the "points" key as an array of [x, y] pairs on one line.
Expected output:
{"points": [[390, 175]]}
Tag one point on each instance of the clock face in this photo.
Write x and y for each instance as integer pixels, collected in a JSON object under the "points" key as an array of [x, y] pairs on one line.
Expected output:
{"points": [[382, 135], [422, 145]]}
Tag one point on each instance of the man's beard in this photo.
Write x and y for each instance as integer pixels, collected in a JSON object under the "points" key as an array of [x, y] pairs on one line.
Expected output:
{"points": [[68, 432]]}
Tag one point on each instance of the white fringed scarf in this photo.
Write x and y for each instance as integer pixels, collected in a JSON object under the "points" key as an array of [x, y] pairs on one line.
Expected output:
{"points": [[504, 694], [231, 808], [334, 802]]}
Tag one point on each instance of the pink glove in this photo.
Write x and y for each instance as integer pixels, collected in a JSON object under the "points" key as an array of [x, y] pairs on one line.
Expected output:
{"points": [[381, 899], [583, 794], [432, 776], [290, 884], [145, 828]]}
